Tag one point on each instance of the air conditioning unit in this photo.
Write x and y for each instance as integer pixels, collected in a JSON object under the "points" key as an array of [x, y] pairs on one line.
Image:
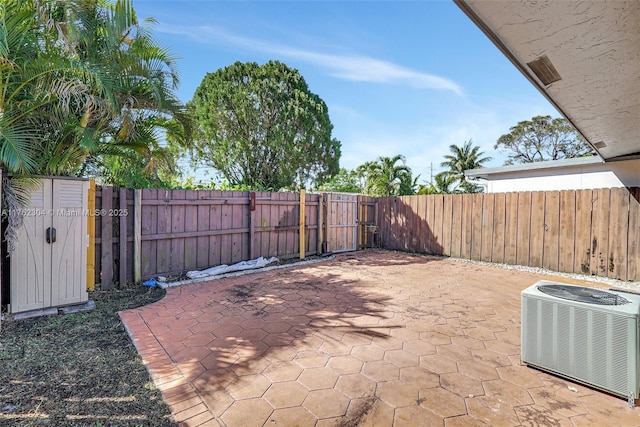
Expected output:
{"points": [[587, 335]]}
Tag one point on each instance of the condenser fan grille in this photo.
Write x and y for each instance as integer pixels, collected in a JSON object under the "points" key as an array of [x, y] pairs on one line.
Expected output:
{"points": [[582, 294]]}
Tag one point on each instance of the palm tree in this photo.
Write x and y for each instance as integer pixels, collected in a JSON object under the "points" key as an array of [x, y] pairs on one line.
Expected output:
{"points": [[442, 184], [384, 177], [79, 82], [462, 159]]}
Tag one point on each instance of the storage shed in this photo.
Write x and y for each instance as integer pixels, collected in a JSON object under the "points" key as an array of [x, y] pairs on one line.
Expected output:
{"points": [[48, 266]]}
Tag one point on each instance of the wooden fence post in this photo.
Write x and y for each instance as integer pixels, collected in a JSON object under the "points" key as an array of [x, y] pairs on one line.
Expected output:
{"points": [[327, 222], [106, 238], [91, 231], [122, 220], [303, 196], [252, 222], [137, 236]]}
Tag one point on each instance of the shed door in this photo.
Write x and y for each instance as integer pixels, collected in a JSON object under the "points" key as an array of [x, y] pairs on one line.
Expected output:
{"points": [[51, 274], [31, 261], [69, 252]]}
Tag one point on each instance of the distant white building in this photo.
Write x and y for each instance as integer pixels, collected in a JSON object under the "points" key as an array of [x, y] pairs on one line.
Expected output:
{"points": [[568, 174]]}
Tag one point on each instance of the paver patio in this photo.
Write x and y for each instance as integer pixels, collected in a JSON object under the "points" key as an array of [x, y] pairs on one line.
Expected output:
{"points": [[370, 338]]}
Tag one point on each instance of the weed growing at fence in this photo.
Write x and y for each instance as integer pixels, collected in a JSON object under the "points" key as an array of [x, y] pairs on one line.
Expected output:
{"points": [[79, 369]]}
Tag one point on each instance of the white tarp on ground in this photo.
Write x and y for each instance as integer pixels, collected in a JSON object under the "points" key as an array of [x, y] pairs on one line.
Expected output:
{"points": [[221, 269]]}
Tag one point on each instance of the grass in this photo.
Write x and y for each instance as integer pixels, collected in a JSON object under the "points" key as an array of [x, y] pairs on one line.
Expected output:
{"points": [[79, 369]]}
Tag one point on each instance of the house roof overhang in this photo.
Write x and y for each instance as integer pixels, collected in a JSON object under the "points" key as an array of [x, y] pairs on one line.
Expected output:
{"points": [[583, 56]]}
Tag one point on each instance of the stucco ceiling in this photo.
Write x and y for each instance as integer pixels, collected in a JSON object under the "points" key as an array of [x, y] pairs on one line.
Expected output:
{"points": [[592, 46]]}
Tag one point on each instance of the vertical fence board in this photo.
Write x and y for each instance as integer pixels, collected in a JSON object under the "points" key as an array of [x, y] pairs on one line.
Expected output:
{"points": [[476, 226], [430, 238], [456, 225], [106, 239], [511, 228], [633, 263], [190, 261], [447, 216], [600, 233], [122, 240], [499, 220], [438, 234], [177, 221], [550, 253], [466, 226], [203, 222], [536, 242], [619, 233], [583, 230], [524, 228], [487, 226], [566, 234]]}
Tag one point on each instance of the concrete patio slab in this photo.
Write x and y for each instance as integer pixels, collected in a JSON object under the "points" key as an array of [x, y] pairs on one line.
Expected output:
{"points": [[371, 338]]}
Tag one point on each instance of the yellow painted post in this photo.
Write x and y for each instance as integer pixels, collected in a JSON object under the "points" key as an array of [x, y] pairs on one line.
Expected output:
{"points": [[91, 231], [303, 196]]}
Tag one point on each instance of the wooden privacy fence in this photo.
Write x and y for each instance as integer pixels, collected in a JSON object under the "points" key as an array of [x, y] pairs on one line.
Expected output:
{"points": [[146, 233], [593, 232]]}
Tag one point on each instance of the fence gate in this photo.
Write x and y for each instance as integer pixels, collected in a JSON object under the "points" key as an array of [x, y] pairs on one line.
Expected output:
{"points": [[341, 223]]}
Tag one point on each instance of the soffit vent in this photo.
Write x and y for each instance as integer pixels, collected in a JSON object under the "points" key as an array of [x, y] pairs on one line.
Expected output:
{"points": [[600, 144], [544, 70]]}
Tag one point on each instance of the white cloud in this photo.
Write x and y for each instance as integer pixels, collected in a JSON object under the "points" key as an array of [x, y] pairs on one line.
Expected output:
{"points": [[348, 67]]}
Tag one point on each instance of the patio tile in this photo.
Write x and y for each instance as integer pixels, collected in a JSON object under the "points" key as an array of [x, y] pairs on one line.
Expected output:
{"points": [[419, 347], [214, 379], [478, 370], [311, 359], [464, 421], [492, 411], [326, 403], [318, 378], [438, 364], [435, 338], [367, 353], [247, 413], [282, 371], [442, 402], [547, 398], [345, 364], [356, 386], [398, 393], [419, 377], [461, 384], [217, 401], [520, 375], [286, 394], [381, 370], [416, 416], [507, 392], [296, 416], [370, 412], [248, 386], [492, 358], [402, 358], [535, 415]]}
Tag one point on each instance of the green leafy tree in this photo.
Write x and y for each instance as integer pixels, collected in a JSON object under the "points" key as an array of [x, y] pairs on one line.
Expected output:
{"points": [[345, 181], [542, 138], [261, 126], [462, 159], [385, 177]]}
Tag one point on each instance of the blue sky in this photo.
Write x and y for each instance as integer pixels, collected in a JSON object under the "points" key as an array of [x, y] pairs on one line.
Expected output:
{"points": [[401, 77]]}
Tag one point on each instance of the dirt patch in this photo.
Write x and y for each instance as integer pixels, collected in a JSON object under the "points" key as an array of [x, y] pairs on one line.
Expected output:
{"points": [[79, 369]]}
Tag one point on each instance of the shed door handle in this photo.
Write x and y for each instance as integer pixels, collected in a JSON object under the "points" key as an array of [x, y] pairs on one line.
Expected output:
{"points": [[51, 235]]}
